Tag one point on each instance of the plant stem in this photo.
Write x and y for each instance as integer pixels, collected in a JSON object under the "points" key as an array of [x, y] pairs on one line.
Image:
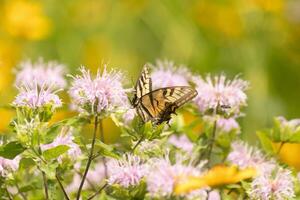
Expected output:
{"points": [[88, 181], [280, 147], [62, 187], [21, 193], [45, 185], [89, 159], [102, 140], [43, 173], [137, 144], [98, 192], [211, 144], [9, 197]]}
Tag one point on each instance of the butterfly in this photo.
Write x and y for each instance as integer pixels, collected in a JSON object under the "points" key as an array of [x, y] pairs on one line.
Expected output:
{"points": [[158, 105]]}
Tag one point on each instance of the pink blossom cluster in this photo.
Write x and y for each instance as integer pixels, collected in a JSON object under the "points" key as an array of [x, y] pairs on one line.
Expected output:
{"points": [[101, 94]]}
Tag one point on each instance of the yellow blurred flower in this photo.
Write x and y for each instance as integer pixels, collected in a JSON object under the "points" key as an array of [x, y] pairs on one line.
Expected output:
{"points": [[221, 18], [6, 117], [269, 5], [289, 154], [26, 19], [9, 53], [189, 119], [217, 176]]}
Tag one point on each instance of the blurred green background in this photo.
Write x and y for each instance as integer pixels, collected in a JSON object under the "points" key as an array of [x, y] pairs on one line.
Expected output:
{"points": [[259, 39]]}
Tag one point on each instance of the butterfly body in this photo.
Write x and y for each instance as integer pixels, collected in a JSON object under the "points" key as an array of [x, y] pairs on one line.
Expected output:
{"points": [[158, 105]]}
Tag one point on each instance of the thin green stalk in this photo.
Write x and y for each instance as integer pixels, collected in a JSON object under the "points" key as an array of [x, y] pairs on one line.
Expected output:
{"points": [[102, 140], [89, 159], [45, 185], [137, 144], [39, 153], [62, 187], [211, 144], [98, 192], [21, 193], [279, 149], [9, 197]]}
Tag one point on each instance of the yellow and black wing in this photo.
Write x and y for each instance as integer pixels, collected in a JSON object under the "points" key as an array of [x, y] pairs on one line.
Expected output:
{"points": [[144, 83], [143, 86], [158, 105]]}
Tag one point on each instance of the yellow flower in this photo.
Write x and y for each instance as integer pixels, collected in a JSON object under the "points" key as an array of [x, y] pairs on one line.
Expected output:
{"points": [[289, 154], [269, 5], [6, 117], [222, 18], [26, 19], [217, 176]]}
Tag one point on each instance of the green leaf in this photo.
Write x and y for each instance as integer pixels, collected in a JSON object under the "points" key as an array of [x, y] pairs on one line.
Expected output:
{"points": [[55, 152], [106, 150], [147, 129], [30, 187], [266, 143], [295, 138], [49, 169], [11, 150], [277, 132], [26, 163], [53, 130]]}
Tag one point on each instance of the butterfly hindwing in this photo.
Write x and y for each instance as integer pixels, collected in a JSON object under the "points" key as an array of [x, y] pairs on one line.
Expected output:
{"points": [[159, 104]]}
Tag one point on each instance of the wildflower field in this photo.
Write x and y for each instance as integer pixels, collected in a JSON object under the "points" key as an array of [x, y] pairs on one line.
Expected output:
{"points": [[140, 99]]}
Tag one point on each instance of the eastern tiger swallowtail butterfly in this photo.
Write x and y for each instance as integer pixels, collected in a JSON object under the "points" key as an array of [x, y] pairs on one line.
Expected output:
{"points": [[158, 105]]}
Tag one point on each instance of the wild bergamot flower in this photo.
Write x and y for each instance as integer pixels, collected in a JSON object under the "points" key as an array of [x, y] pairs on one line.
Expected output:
{"points": [[275, 183], [166, 74], [64, 138], [8, 165], [35, 97], [245, 156], [102, 94], [44, 74], [127, 171], [220, 93]]}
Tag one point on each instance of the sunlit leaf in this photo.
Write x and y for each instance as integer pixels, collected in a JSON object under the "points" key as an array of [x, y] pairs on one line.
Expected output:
{"points": [[55, 152], [11, 150]]}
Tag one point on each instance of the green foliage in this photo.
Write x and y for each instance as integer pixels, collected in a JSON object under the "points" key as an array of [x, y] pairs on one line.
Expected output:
{"points": [[280, 132], [55, 152], [11, 150], [137, 192], [105, 150], [265, 141]]}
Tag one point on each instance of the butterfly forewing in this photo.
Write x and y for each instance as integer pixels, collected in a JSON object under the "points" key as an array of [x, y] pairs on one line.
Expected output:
{"points": [[144, 84]]}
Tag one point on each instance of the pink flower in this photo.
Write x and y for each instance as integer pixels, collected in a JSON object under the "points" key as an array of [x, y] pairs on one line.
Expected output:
{"points": [[181, 142], [104, 93], [49, 74], [276, 183], [292, 125], [7, 165], [162, 175], [214, 195], [228, 124], [197, 194], [166, 74], [65, 138], [127, 171], [224, 125], [245, 156], [129, 115], [219, 92], [35, 97]]}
